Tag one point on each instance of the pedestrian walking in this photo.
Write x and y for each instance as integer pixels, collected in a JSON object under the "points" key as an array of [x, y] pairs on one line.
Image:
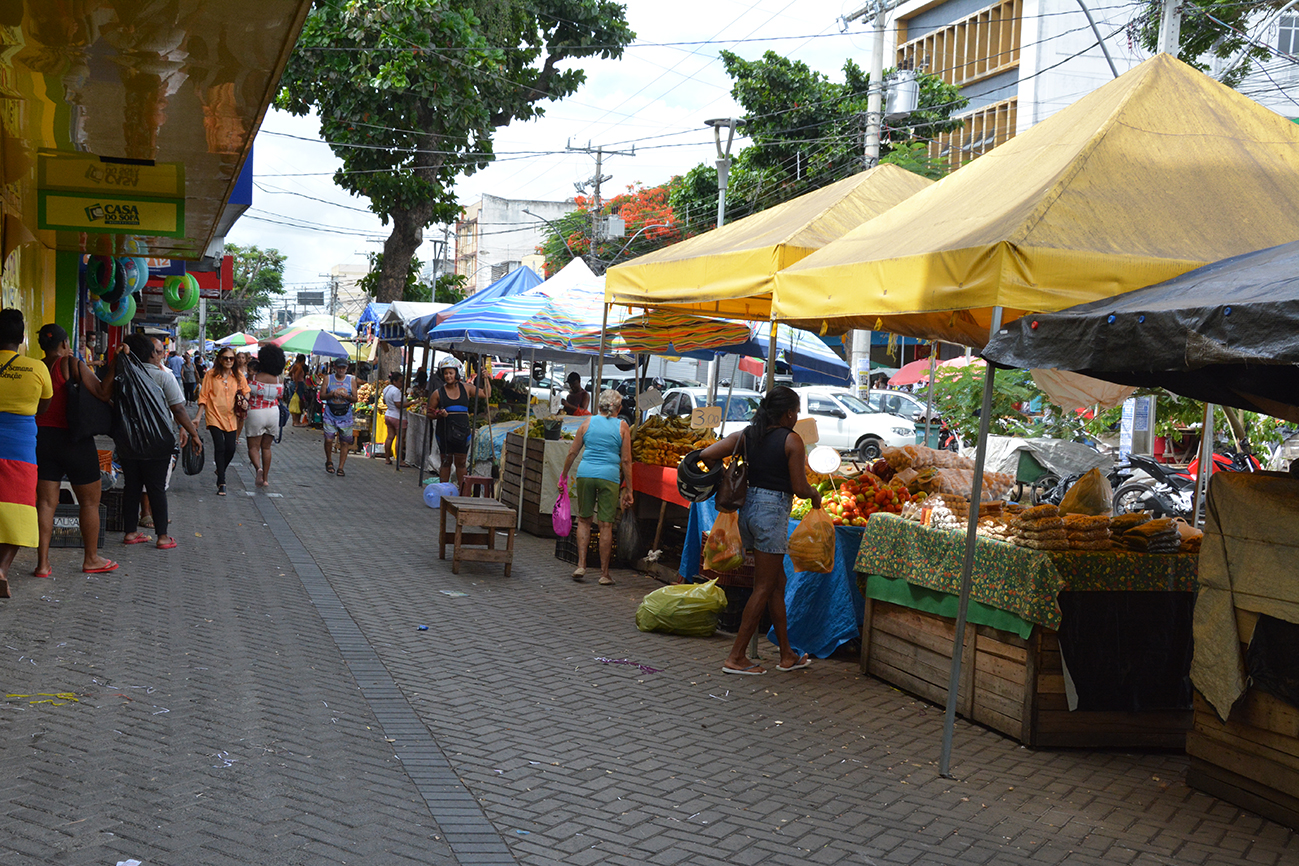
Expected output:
{"points": [[221, 390], [148, 473], [62, 454], [393, 420], [263, 423], [449, 404], [603, 479], [176, 364], [241, 406], [338, 396], [25, 391], [189, 377], [777, 471], [298, 375]]}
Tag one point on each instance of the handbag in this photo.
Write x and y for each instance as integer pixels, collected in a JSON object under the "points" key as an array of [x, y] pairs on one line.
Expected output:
{"points": [[87, 415], [241, 405], [734, 485]]}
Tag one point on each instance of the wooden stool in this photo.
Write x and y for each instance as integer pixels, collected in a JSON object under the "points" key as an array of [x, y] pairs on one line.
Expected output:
{"points": [[475, 511], [482, 483]]}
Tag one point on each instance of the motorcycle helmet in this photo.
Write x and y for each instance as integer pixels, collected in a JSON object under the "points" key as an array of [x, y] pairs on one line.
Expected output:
{"points": [[451, 364], [694, 482]]}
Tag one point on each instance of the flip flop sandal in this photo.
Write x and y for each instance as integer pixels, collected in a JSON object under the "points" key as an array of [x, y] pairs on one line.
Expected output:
{"points": [[750, 671], [107, 567], [579, 573], [49, 573], [340, 473], [139, 539], [168, 546], [606, 581], [329, 466], [804, 662]]}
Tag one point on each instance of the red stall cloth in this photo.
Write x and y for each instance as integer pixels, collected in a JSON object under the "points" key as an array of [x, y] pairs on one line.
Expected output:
{"points": [[657, 481]]}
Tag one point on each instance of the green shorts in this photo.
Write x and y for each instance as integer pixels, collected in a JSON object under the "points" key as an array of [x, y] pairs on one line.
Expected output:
{"points": [[597, 492]]}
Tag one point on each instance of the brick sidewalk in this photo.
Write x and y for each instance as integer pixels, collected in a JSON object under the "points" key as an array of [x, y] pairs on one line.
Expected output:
{"points": [[499, 725]]}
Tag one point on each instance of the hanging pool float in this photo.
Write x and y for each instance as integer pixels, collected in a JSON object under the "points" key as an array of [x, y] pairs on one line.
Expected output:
{"points": [[100, 275], [115, 314], [137, 272], [181, 293]]}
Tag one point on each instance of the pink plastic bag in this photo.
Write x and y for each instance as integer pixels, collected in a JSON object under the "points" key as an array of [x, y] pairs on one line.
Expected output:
{"points": [[562, 517]]}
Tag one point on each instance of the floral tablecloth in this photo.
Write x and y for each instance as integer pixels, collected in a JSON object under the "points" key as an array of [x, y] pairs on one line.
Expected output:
{"points": [[1014, 579]]}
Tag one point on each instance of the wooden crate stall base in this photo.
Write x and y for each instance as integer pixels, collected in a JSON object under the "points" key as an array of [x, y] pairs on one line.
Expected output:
{"points": [[520, 486], [1012, 685]]}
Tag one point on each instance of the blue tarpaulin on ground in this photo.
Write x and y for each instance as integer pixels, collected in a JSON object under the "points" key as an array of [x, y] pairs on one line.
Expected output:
{"points": [[824, 611]]}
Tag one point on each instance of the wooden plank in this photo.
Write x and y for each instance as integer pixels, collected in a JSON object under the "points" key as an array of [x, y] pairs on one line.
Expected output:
{"points": [[999, 667], [1028, 706], [1050, 684], [1049, 662], [1267, 712], [1247, 738], [965, 689], [866, 629], [1240, 791], [924, 663], [1172, 723], [904, 621], [907, 681], [904, 627], [1007, 707], [989, 645], [1007, 725], [1009, 638], [1008, 689], [1268, 773]]}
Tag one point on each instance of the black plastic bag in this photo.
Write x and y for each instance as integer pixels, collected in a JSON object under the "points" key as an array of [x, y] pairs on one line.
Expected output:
{"points": [[191, 459], [141, 417]]}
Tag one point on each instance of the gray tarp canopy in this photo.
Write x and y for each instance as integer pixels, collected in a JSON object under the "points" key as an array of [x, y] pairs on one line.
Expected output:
{"points": [[1225, 333]]}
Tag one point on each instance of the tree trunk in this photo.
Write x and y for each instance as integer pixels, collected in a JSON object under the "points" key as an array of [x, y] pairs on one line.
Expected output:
{"points": [[398, 251]]}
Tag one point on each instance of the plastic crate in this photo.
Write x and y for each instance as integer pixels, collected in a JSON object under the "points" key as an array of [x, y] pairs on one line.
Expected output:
{"points": [[67, 526], [566, 548], [111, 501]]}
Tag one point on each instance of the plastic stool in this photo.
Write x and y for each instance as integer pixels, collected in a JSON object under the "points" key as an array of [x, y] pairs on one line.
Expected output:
{"points": [[477, 485]]}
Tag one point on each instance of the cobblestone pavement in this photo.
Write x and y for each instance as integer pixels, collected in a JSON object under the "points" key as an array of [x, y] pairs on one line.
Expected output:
{"points": [[264, 694]]}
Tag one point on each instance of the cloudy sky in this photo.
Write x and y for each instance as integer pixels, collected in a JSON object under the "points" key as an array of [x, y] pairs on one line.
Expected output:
{"points": [[656, 97]]}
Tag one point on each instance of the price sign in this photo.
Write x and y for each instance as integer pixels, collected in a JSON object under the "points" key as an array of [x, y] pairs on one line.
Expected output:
{"points": [[807, 429], [648, 399], [708, 416]]}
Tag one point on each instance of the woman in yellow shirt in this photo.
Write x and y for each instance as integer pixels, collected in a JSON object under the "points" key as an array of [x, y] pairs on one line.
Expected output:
{"points": [[216, 403], [25, 390]]}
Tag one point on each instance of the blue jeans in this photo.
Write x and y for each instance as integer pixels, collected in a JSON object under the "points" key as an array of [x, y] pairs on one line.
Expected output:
{"points": [[764, 520]]}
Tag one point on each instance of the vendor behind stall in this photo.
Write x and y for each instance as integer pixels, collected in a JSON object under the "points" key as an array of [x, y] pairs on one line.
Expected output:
{"points": [[577, 401], [777, 461], [449, 404]]}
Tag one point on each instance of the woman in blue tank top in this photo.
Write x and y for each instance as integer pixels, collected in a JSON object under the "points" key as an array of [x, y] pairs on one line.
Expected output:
{"points": [[776, 458], [603, 478]]}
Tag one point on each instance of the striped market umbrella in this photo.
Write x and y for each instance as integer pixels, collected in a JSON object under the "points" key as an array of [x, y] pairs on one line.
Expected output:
{"points": [[310, 341], [239, 338]]}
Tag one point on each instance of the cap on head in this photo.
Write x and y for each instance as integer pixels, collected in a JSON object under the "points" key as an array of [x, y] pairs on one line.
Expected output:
{"points": [[340, 362]]}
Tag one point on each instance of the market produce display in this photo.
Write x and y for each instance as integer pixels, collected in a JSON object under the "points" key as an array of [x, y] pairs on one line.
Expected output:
{"points": [[854, 500], [934, 471], [664, 441]]}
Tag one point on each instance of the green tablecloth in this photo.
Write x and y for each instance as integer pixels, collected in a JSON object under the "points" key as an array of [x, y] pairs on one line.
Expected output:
{"points": [[1014, 579]]}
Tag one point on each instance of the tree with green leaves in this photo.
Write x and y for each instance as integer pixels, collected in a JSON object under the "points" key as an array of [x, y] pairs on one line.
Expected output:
{"points": [[446, 289], [410, 93], [1210, 29], [258, 279], [808, 131]]}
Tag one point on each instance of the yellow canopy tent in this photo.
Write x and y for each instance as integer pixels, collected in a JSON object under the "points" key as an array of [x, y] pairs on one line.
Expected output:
{"points": [[1155, 173], [729, 271]]}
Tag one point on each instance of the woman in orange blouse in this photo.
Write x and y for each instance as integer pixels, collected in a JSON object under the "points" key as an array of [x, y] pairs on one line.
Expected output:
{"points": [[216, 404]]}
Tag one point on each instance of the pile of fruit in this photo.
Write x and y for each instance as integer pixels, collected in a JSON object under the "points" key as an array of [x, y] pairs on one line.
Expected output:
{"points": [[856, 499], [365, 393], [664, 441]]}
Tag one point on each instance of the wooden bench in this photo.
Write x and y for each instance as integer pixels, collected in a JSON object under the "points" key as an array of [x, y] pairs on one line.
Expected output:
{"points": [[476, 512]]}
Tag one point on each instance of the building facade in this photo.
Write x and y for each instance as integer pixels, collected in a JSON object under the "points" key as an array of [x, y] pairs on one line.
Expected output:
{"points": [[495, 235]]}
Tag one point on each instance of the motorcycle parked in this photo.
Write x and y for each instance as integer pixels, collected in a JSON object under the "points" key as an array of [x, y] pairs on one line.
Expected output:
{"points": [[1151, 486]]}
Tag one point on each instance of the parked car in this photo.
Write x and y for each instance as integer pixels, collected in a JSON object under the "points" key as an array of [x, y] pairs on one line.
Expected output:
{"points": [[683, 401], [847, 423], [899, 403]]}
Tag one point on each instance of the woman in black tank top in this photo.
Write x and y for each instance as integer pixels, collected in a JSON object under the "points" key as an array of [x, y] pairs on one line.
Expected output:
{"points": [[776, 459]]}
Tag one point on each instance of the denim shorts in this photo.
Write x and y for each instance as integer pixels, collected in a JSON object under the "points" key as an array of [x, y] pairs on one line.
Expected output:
{"points": [[764, 520]]}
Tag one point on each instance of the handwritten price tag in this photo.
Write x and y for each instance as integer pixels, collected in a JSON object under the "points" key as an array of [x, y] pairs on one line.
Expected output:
{"points": [[649, 399], [708, 416]]}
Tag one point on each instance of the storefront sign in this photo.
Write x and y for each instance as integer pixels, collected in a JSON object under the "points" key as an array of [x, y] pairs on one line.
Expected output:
{"points": [[82, 172], [108, 214]]}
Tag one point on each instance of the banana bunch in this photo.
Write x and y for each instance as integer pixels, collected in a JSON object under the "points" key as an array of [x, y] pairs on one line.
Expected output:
{"points": [[664, 441]]}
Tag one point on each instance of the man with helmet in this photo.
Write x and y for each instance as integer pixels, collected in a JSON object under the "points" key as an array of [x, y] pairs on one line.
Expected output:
{"points": [[449, 404]]}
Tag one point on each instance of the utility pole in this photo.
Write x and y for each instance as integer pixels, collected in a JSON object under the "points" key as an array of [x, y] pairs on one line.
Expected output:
{"points": [[1170, 27], [723, 179], [594, 182]]}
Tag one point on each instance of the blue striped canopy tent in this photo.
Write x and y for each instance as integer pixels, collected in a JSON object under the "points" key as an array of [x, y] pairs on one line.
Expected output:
{"points": [[516, 282]]}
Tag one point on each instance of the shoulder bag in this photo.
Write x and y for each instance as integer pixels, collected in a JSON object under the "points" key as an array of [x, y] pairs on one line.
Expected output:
{"points": [[734, 485], [87, 415]]}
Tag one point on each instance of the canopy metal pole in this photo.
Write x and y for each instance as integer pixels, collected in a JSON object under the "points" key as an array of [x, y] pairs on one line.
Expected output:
{"points": [[527, 422], [929, 392], [967, 564], [1206, 464], [595, 380], [771, 357]]}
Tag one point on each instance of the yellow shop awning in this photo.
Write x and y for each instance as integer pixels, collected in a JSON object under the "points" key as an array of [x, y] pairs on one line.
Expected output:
{"points": [[729, 271], [1156, 173]]}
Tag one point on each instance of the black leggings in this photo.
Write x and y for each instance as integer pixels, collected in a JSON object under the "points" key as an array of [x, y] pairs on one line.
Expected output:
{"points": [[151, 475], [223, 450]]}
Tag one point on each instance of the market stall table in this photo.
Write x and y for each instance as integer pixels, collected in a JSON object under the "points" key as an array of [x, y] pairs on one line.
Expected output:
{"points": [[823, 610], [475, 512], [1107, 633]]}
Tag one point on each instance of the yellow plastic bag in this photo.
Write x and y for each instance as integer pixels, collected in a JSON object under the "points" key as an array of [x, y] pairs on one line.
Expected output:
{"points": [[723, 549], [295, 405], [811, 545], [689, 609], [1091, 495]]}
